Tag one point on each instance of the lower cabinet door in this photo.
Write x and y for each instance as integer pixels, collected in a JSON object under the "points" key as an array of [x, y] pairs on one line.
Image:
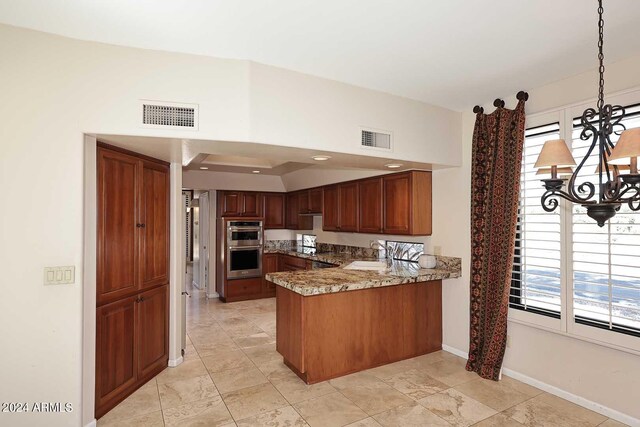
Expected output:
{"points": [[116, 352], [153, 330]]}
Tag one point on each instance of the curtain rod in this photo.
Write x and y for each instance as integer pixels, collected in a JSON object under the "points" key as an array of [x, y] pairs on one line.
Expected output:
{"points": [[499, 103]]}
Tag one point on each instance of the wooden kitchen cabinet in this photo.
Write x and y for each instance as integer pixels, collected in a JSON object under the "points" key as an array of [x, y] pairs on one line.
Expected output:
{"points": [[132, 272], [269, 265], [294, 220], [315, 200], [340, 207], [239, 203], [274, 210], [330, 208], [370, 205], [407, 203], [303, 202], [154, 217], [152, 330], [292, 263], [348, 201], [116, 353]]}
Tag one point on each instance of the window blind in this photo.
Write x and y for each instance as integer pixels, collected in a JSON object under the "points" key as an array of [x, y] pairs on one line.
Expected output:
{"points": [[606, 260], [536, 274]]}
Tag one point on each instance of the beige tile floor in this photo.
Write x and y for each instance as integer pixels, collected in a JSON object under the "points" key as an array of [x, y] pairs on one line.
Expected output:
{"points": [[233, 376]]}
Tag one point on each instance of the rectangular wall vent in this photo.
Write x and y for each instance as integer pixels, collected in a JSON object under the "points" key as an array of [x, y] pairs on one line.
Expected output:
{"points": [[170, 115], [375, 139]]}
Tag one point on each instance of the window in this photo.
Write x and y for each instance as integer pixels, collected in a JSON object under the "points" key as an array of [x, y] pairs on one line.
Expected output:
{"points": [[536, 274], [606, 267], [569, 275], [309, 241], [405, 251]]}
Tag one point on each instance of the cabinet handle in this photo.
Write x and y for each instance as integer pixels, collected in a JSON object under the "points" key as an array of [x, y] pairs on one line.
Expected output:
{"points": [[140, 225], [139, 299]]}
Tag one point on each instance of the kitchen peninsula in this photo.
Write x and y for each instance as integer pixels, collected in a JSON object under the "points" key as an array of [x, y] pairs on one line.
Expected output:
{"points": [[335, 321]]}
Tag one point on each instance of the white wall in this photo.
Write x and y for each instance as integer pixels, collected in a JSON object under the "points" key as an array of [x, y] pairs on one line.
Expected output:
{"points": [[596, 373], [55, 89]]}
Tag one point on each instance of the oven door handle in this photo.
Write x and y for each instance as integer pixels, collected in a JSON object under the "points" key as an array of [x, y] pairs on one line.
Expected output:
{"points": [[244, 248]]}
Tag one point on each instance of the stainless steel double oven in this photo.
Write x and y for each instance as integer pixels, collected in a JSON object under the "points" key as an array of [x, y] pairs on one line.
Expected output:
{"points": [[244, 248]]}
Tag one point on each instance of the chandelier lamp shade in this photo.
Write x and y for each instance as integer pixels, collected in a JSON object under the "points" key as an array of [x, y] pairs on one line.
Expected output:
{"points": [[618, 180]]}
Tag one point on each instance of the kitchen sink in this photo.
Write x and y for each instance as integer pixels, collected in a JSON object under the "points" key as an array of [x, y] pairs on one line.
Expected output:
{"points": [[367, 265]]}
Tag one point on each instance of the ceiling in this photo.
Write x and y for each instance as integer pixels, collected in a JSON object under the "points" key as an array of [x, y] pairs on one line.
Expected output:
{"points": [[246, 157], [453, 53]]}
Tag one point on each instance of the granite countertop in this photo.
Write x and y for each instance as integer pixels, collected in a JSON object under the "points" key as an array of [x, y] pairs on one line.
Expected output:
{"points": [[331, 280]]}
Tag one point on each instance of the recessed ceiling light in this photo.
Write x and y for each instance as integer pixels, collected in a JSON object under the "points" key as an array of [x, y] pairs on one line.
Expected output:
{"points": [[255, 171], [204, 168], [321, 158], [393, 165]]}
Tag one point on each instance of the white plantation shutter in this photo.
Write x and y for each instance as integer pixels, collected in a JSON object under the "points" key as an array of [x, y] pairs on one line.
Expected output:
{"points": [[536, 275], [606, 261]]}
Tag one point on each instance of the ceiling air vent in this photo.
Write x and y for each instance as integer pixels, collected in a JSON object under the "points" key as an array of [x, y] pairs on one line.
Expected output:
{"points": [[376, 139], [169, 115]]}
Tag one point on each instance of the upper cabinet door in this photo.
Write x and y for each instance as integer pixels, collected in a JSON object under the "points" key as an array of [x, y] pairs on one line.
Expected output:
{"points": [[330, 208], [117, 252], [370, 209], [397, 204], [251, 204], [315, 200], [152, 330], [154, 225], [292, 211], [303, 202], [273, 210], [230, 203], [349, 207]]}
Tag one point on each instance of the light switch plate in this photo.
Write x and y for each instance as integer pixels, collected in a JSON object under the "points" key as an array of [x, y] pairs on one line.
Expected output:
{"points": [[60, 275]]}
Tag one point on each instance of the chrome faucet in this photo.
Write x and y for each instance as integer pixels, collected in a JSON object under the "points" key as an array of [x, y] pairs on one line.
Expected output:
{"points": [[387, 250]]}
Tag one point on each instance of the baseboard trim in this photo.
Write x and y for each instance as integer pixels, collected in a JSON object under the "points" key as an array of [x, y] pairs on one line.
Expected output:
{"points": [[578, 400], [175, 362], [213, 295], [92, 423]]}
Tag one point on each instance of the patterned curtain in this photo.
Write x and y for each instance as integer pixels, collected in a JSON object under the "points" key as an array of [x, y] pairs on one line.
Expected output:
{"points": [[498, 140]]}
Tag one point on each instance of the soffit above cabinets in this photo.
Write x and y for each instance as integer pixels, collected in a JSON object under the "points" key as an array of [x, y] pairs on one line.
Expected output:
{"points": [[247, 157]]}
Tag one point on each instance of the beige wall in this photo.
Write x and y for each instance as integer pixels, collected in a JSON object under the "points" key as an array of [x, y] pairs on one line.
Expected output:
{"points": [[596, 373], [55, 89]]}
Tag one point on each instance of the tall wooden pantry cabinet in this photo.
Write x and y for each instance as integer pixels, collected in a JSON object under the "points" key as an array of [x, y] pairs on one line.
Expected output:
{"points": [[132, 325]]}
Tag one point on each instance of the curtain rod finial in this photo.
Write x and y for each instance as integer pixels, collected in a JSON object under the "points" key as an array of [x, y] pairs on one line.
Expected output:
{"points": [[522, 96], [498, 103], [478, 109]]}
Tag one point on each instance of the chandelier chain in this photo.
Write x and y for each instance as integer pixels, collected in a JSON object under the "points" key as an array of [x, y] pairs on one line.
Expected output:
{"points": [[601, 55]]}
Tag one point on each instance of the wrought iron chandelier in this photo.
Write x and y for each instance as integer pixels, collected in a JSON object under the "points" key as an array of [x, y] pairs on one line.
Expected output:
{"points": [[614, 187]]}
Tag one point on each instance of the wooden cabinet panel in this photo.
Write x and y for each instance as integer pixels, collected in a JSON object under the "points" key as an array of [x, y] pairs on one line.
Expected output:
{"points": [[274, 210], [348, 218], [117, 200], [230, 203], [244, 289], [269, 265], [315, 200], [133, 254], [116, 352], [293, 219], [251, 204], [303, 202], [152, 330], [330, 208], [292, 215], [154, 225], [370, 207], [291, 263], [397, 204]]}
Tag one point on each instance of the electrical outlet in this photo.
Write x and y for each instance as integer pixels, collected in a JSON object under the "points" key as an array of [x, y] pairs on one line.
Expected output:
{"points": [[437, 250], [60, 275], [508, 341]]}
